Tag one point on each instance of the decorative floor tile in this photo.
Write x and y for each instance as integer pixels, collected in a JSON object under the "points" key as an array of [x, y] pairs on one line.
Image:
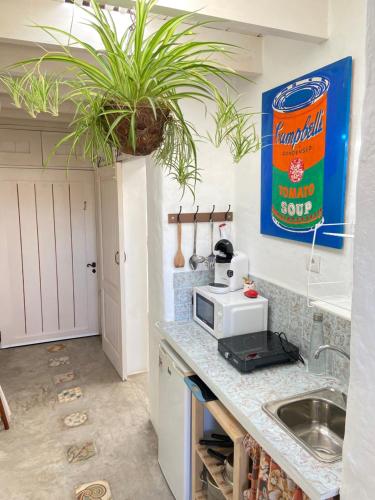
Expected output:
{"points": [[94, 491], [76, 419], [62, 360], [64, 377], [69, 395], [55, 347], [81, 452]]}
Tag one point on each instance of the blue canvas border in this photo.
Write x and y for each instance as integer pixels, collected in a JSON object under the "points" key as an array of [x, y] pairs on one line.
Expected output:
{"points": [[337, 143]]}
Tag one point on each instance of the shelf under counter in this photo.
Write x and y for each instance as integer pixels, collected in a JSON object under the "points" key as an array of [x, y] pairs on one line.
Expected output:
{"points": [[201, 459]]}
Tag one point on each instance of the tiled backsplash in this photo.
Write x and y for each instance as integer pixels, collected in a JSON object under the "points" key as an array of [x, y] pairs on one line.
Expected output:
{"points": [[183, 284], [287, 312]]}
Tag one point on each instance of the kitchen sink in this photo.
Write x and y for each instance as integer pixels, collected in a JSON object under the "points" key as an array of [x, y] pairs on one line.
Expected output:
{"points": [[315, 419]]}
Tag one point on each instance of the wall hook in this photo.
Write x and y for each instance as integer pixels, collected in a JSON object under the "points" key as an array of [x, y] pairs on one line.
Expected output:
{"points": [[196, 213], [227, 212], [211, 214], [179, 213]]}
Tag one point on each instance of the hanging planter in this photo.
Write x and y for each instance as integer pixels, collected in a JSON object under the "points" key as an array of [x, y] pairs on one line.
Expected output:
{"points": [[149, 130], [127, 96]]}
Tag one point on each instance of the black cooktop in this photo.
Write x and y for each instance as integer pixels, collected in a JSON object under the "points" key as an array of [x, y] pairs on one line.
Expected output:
{"points": [[256, 350]]}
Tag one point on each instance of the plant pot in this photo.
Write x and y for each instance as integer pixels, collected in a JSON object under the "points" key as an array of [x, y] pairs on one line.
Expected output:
{"points": [[149, 130]]}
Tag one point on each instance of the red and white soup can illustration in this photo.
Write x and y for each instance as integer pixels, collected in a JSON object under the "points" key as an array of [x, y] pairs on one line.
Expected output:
{"points": [[298, 151]]}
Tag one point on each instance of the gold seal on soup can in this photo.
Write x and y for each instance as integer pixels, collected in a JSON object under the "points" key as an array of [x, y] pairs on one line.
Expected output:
{"points": [[298, 151]]}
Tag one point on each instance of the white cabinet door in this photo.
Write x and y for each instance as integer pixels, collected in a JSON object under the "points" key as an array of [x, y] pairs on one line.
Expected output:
{"points": [[174, 422], [112, 257], [20, 147], [48, 236]]}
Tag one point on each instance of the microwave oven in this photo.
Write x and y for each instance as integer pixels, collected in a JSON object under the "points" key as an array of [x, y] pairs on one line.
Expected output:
{"points": [[225, 315]]}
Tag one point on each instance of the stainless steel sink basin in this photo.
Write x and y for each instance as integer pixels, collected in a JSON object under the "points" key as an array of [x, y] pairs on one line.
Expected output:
{"points": [[315, 419]]}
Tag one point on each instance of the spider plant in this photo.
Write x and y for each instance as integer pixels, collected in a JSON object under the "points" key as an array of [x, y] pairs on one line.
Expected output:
{"points": [[37, 93], [127, 96], [234, 126]]}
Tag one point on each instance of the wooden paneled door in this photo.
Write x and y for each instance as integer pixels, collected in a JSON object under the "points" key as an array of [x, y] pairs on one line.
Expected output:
{"points": [[112, 266], [47, 240]]}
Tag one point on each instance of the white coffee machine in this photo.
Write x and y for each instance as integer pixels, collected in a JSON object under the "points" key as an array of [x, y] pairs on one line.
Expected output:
{"points": [[230, 268]]}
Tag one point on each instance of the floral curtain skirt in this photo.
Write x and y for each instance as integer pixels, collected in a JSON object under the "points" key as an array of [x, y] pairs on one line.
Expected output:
{"points": [[268, 480]]}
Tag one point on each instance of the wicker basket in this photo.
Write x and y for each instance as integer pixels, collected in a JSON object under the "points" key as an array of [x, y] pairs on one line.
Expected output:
{"points": [[149, 131]]}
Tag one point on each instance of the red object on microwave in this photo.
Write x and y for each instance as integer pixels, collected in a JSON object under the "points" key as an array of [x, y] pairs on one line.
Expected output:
{"points": [[251, 294]]}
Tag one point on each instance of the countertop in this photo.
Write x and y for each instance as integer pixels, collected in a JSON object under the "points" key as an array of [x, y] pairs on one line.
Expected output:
{"points": [[244, 394]]}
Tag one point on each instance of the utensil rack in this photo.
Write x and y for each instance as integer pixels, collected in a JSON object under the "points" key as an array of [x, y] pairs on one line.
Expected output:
{"points": [[190, 218]]}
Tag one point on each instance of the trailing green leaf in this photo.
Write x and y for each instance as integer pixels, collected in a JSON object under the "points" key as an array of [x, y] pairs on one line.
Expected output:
{"points": [[34, 91], [235, 127]]}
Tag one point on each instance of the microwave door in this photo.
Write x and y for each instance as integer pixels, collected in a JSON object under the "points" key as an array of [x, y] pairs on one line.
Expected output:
{"points": [[205, 311]]}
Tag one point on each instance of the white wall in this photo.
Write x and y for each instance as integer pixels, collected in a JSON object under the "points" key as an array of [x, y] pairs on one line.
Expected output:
{"points": [[19, 41], [135, 242], [155, 244], [217, 187], [294, 18], [359, 459], [300, 19], [163, 197], [16, 23], [275, 259]]}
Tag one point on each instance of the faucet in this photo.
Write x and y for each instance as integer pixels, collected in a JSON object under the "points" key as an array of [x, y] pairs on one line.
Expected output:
{"points": [[337, 349], [332, 348]]}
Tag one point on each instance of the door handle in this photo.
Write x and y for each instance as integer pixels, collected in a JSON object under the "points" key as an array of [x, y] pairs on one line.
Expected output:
{"points": [[117, 258], [93, 266]]}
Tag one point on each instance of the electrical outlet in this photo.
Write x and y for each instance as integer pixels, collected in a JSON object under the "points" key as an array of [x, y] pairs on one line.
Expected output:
{"points": [[315, 264]]}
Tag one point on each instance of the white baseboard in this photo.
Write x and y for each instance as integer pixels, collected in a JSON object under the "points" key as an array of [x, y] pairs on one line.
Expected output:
{"points": [[46, 339], [138, 372]]}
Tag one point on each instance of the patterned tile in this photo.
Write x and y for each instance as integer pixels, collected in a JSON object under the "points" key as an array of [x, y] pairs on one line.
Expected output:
{"points": [[81, 452], [341, 336], [183, 296], [61, 378], [99, 490], [69, 395], [296, 318], [76, 419], [188, 279], [62, 360], [56, 347], [183, 312], [329, 327], [183, 283]]}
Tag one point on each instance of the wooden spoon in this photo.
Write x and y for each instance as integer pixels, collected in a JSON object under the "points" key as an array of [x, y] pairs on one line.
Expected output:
{"points": [[179, 260]]}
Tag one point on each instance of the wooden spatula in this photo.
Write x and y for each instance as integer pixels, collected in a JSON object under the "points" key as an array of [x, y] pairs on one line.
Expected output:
{"points": [[179, 259]]}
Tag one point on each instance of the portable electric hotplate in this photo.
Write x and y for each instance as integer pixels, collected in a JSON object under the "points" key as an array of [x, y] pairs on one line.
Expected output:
{"points": [[256, 350]]}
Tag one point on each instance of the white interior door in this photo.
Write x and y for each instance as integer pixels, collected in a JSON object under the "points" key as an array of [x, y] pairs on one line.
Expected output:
{"points": [[112, 258], [48, 236]]}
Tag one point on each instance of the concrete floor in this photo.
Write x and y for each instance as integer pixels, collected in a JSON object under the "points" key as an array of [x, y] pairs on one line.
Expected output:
{"points": [[33, 453]]}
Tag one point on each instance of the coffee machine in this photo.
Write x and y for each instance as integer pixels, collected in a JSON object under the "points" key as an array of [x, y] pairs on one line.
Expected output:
{"points": [[230, 268]]}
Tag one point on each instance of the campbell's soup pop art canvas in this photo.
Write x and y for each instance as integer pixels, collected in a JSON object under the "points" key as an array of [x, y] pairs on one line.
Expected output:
{"points": [[305, 134]]}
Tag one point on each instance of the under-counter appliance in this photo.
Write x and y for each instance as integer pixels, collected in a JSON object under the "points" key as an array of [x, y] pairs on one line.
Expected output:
{"points": [[230, 313], [174, 453], [257, 350]]}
